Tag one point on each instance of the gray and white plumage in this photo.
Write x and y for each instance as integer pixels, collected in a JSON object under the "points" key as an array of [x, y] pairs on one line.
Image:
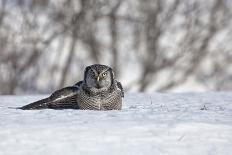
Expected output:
{"points": [[98, 91]]}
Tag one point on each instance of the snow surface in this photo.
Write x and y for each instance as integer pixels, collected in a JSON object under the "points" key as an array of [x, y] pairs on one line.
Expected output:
{"points": [[149, 124]]}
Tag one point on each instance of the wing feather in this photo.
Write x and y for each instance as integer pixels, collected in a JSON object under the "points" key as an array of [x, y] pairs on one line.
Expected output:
{"points": [[64, 98], [119, 85]]}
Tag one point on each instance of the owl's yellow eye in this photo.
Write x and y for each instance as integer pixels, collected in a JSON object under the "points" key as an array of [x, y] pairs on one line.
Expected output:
{"points": [[104, 74]]}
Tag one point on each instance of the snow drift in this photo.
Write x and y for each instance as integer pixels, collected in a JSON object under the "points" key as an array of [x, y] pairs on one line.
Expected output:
{"points": [[148, 124]]}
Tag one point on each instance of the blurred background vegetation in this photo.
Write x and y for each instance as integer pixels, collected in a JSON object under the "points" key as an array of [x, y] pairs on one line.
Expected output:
{"points": [[153, 45]]}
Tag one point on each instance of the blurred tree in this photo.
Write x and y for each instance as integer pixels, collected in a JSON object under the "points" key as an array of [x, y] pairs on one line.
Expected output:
{"points": [[169, 41]]}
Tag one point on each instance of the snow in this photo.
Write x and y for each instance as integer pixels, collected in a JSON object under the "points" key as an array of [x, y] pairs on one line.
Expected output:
{"points": [[176, 124]]}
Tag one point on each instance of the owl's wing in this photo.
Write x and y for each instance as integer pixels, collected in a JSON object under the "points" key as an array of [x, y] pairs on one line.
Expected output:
{"points": [[64, 98], [119, 85], [78, 84]]}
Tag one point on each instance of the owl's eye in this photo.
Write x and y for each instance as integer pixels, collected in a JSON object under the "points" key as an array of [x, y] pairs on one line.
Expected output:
{"points": [[104, 74]]}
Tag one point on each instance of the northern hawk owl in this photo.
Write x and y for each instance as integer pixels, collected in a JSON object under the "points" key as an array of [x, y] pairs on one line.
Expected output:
{"points": [[98, 91]]}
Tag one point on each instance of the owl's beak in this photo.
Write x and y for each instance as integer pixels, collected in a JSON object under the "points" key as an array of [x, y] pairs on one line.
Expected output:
{"points": [[98, 82], [98, 79]]}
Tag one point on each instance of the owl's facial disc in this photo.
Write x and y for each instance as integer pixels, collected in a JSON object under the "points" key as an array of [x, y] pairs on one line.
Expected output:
{"points": [[99, 77]]}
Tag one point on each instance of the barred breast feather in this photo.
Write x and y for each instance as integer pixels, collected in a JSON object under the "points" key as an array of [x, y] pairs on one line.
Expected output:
{"points": [[111, 101]]}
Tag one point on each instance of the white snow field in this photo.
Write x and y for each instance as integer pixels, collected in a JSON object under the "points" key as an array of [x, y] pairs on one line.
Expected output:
{"points": [[149, 124]]}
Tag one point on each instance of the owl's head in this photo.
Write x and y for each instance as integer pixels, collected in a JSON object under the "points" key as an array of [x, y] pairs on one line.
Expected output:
{"points": [[98, 76]]}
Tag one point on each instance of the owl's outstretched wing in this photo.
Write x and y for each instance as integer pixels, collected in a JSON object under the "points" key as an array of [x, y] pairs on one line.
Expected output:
{"points": [[64, 98]]}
